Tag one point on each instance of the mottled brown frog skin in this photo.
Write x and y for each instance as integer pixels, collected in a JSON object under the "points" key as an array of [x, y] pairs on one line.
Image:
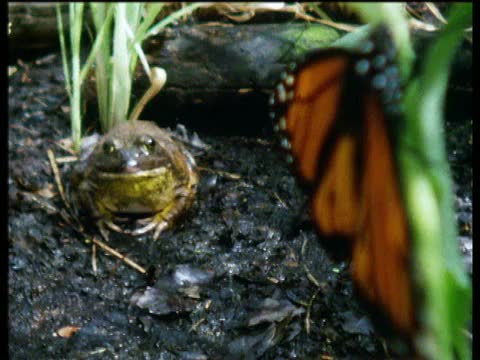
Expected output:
{"points": [[136, 171]]}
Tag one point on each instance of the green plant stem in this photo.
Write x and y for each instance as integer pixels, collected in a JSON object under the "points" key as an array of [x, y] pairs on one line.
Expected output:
{"points": [[427, 186], [121, 80], [76, 15], [96, 46], [169, 19], [102, 59], [63, 47]]}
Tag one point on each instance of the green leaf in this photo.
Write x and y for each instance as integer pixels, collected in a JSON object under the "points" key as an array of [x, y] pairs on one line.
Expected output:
{"points": [[427, 187]]}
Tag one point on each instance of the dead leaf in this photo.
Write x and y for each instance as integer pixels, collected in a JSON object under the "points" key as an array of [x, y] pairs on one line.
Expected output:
{"points": [[46, 192], [67, 331]]}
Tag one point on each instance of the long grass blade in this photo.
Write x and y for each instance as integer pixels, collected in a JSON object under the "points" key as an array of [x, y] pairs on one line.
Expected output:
{"points": [[96, 45], [61, 33], [121, 79], [102, 60], [151, 12], [76, 16], [171, 18]]}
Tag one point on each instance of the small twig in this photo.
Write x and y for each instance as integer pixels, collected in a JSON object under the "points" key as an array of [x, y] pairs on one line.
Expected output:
{"points": [[40, 201], [115, 253], [97, 351], [208, 303], [56, 173], [326, 357], [280, 200], [66, 159], [94, 258], [336, 25], [385, 346], [69, 216], [48, 59], [435, 12], [314, 281], [273, 280], [256, 141], [216, 23], [23, 128], [225, 174], [421, 25], [309, 310], [305, 267], [197, 324], [65, 216], [37, 100], [66, 144], [413, 12], [245, 90]]}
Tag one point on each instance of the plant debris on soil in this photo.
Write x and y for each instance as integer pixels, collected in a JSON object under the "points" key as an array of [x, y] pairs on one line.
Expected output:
{"points": [[241, 276]]}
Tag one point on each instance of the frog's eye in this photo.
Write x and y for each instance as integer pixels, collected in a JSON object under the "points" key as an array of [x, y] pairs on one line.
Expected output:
{"points": [[108, 147], [147, 141]]}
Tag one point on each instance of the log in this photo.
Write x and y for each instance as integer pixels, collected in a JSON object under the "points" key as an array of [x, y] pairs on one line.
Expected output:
{"points": [[34, 25], [225, 73]]}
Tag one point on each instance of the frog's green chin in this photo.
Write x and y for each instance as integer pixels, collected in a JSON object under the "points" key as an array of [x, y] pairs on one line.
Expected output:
{"points": [[137, 174]]}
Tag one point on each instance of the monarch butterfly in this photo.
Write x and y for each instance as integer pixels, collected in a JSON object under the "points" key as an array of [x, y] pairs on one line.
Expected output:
{"points": [[336, 114]]}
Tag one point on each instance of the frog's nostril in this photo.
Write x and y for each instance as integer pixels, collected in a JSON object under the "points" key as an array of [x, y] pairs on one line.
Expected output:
{"points": [[129, 159], [131, 163]]}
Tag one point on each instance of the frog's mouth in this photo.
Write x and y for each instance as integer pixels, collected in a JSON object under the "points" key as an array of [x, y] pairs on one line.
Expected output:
{"points": [[131, 161], [133, 172], [132, 166]]}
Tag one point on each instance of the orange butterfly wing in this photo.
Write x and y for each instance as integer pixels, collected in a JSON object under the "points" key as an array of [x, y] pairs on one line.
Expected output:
{"points": [[381, 249], [337, 132], [309, 119]]}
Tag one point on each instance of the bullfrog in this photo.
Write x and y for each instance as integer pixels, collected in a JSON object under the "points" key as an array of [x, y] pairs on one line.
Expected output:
{"points": [[136, 172]]}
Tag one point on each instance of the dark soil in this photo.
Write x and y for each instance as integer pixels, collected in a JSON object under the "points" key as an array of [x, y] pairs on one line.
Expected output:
{"points": [[231, 278]]}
